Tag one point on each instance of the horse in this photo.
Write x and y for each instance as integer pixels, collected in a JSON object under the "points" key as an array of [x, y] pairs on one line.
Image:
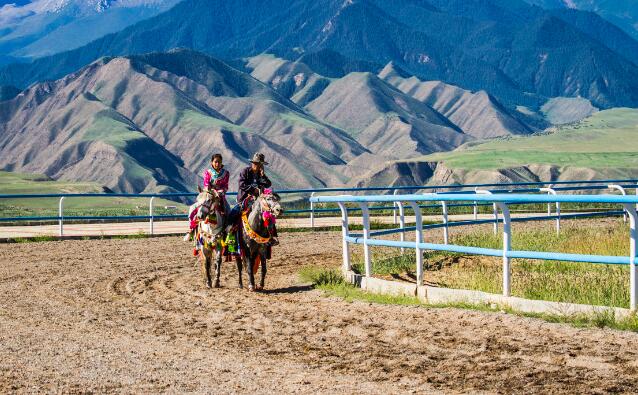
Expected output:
{"points": [[210, 232], [257, 227]]}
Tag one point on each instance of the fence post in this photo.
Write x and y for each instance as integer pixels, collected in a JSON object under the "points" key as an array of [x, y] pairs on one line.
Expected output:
{"points": [[61, 216], [150, 214], [623, 192], [365, 216], [633, 234], [345, 246], [312, 211], [401, 223], [445, 228], [394, 208], [551, 191], [475, 210], [419, 240], [494, 208], [507, 245]]}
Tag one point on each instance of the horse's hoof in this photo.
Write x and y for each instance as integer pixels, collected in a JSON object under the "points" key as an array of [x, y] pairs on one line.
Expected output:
{"points": [[241, 286], [259, 287], [217, 284], [251, 288], [208, 285]]}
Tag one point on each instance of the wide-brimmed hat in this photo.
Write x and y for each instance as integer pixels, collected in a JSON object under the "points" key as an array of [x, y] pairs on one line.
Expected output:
{"points": [[259, 158]]}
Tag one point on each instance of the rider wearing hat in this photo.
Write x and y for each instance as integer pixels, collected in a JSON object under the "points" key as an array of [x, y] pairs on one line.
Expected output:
{"points": [[252, 182], [253, 179]]}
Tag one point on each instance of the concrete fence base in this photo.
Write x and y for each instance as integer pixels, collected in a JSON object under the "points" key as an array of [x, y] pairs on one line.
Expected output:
{"points": [[435, 295]]}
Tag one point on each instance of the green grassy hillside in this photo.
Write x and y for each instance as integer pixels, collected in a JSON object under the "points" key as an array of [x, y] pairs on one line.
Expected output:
{"points": [[23, 183], [607, 139]]}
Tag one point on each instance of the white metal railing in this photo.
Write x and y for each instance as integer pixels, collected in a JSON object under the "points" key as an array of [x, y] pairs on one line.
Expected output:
{"points": [[502, 202]]}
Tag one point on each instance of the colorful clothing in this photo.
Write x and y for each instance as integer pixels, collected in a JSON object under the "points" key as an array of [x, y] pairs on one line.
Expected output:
{"points": [[217, 180]]}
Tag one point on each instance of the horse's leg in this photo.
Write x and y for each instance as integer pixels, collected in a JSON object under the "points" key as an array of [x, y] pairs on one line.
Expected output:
{"points": [[218, 266], [262, 280], [249, 268], [239, 269], [205, 259]]}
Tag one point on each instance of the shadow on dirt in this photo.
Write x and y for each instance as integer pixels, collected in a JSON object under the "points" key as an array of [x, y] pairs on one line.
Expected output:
{"points": [[289, 290]]}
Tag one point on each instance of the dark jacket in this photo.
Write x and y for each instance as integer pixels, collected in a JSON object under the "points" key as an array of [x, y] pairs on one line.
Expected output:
{"points": [[249, 183]]}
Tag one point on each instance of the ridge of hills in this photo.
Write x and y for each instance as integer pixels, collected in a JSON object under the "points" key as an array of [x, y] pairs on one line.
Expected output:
{"points": [[519, 53], [150, 122], [601, 146], [623, 13]]}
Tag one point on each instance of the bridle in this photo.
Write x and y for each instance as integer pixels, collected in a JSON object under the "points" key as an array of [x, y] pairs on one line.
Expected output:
{"points": [[265, 208], [211, 203]]}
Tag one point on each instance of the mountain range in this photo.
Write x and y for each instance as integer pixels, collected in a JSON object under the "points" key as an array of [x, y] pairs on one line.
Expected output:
{"points": [[518, 53], [334, 92], [623, 13], [150, 122]]}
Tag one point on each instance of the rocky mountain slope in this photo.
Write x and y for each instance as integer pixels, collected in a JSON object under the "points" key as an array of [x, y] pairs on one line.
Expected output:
{"points": [[151, 122], [477, 114]]}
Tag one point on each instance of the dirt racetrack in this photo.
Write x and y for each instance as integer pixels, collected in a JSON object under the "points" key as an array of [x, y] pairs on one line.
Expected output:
{"points": [[132, 316]]}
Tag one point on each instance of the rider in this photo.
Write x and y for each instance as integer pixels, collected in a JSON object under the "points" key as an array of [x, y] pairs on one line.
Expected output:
{"points": [[215, 177], [252, 181]]}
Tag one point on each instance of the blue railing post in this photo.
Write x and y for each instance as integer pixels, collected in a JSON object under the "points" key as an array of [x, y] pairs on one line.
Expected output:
{"points": [[633, 234], [344, 234], [61, 216], [365, 216], [507, 246], [418, 240]]}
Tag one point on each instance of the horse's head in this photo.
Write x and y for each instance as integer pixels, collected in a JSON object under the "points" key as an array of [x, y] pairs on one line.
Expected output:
{"points": [[207, 200], [269, 207], [271, 202]]}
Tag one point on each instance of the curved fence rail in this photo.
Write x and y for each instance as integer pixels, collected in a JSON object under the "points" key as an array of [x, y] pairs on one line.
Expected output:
{"points": [[502, 203], [397, 210]]}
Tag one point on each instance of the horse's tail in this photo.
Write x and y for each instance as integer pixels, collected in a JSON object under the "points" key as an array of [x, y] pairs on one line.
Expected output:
{"points": [[256, 263]]}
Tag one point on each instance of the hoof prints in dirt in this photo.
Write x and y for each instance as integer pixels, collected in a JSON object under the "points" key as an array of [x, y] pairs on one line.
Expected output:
{"points": [[135, 311]]}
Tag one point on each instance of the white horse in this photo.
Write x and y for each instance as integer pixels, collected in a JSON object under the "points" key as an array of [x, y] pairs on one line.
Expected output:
{"points": [[212, 217]]}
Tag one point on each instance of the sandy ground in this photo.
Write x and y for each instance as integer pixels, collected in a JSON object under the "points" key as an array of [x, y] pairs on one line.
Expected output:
{"points": [[132, 316]]}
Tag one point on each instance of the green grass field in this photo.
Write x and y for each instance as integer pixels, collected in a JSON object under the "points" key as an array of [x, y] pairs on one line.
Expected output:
{"points": [[20, 183], [595, 284], [606, 140]]}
